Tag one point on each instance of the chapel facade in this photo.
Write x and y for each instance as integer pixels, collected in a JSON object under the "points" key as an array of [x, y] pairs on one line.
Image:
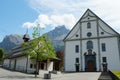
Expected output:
{"points": [[92, 45]]}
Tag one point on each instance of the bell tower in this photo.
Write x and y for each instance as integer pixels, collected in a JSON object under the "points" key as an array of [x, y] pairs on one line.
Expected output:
{"points": [[26, 37]]}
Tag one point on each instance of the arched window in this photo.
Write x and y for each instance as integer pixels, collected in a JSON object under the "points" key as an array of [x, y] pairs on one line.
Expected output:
{"points": [[88, 25], [89, 45]]}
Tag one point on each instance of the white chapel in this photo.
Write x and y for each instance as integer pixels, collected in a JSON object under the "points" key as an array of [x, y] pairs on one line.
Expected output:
{"points": [[92, 45]]}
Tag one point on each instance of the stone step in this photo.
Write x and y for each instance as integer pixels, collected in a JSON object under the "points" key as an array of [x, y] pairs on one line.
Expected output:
{"points": [[105, 76]]}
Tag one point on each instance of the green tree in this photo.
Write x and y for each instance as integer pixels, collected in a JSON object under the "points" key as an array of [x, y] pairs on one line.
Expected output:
{"points": [[39, 48], [2, 53]]}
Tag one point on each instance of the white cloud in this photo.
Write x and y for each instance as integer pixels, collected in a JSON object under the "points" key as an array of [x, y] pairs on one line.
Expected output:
{"points": [[54, 20], [108, 10], [67, 19], [44, 19], [28, 24]]}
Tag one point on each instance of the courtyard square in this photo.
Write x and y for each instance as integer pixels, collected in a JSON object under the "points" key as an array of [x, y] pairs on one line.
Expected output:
{"points": [[13, 75]]}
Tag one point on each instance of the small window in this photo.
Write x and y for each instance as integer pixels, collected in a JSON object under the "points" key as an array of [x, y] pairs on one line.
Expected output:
{"points": [[104, 59], [77, 48], [77, 35], [77, 60], [103, 47], [102, 33], [89, 34], [89, 45], [31, 65], [88, 25]]}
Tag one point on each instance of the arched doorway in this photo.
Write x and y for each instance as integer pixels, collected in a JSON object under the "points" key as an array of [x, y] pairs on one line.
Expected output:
{"points": [[90, 61]]}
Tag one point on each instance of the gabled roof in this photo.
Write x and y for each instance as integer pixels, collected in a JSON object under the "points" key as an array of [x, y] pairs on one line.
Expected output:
{"points": [[83, 16], [15, 52]]}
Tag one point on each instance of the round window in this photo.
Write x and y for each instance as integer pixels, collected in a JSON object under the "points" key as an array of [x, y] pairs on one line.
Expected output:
{"points": [[89, 34]]}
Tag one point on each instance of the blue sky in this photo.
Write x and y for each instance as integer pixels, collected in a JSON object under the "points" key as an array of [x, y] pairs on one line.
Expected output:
{"points": [[13, 13], [18, 15]]}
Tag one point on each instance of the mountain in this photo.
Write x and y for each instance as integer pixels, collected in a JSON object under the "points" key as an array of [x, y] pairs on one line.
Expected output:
{"points": [[56, 36], [11, 41]]}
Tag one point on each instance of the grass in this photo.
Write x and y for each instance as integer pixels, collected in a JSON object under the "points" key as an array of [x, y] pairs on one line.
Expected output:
{"points": [[117, 73]]}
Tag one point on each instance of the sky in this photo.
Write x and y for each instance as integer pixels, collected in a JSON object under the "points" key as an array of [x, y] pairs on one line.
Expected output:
{"points": [[16, 16]]}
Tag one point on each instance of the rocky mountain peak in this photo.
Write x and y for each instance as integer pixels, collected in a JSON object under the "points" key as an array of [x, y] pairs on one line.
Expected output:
{"points": [[56, 36], [58, 31], [11, 41]]}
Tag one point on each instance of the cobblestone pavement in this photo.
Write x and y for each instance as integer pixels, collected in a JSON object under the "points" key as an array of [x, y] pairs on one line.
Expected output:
{"points": [[12, 75]]}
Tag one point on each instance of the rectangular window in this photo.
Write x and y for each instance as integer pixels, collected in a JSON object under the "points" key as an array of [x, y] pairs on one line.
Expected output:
{"points": [[104, 59], [77, 48], [88, 25], [77, 60], [31, 65], [103, 47]]}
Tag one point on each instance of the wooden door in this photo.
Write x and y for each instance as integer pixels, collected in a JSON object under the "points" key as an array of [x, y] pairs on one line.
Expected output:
{"points": [[90, 66]]}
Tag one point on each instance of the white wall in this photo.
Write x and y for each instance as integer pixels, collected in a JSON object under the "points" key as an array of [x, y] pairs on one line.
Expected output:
{"points": [[104, 28], [6, 63], [21, 63], [97, 26], [33, 62], [12, 63], [95, 49], [75, 31], [85, 30], [111, 53], [50, 66], [71, 55]]}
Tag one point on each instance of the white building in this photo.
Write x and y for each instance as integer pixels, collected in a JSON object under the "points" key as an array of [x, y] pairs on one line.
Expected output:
{"points": [[18, 61], [91, 45]]}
